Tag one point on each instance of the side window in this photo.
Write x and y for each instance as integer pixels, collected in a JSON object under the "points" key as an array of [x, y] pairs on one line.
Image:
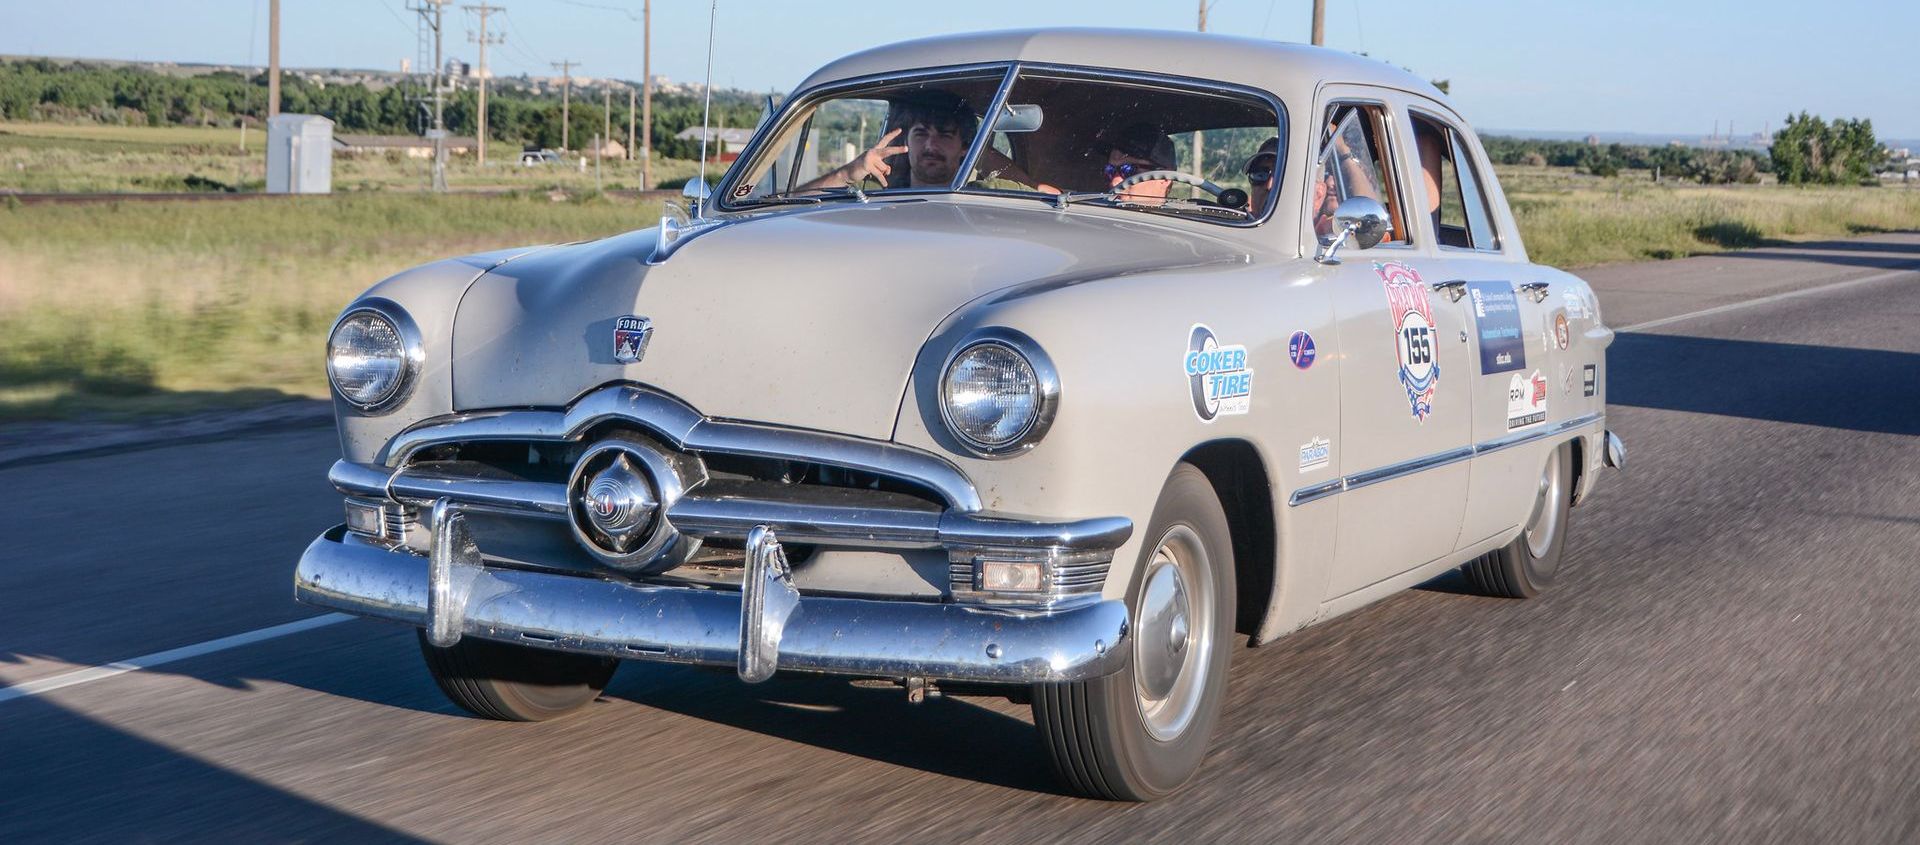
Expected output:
{"points": [[1355, 162], [1454, 199]]}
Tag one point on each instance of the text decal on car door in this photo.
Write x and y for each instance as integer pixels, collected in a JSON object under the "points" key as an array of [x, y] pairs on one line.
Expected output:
{"points": [[1412, 315], [1217, 376], [1496, 314]]}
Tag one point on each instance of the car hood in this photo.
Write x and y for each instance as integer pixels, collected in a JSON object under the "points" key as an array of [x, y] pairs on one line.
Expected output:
{"points": [[808, 318]]}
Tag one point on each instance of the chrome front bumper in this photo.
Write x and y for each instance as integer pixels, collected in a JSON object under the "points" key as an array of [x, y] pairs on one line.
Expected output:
{"points": [[764, 626]]}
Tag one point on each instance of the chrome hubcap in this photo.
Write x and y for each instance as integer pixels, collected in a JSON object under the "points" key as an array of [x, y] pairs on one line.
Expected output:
{"points": [[1172, 645], [1545, 523]]}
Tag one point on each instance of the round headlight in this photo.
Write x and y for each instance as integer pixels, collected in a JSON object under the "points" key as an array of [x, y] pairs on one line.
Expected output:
{"points": [[372, 355], [998, 392]]}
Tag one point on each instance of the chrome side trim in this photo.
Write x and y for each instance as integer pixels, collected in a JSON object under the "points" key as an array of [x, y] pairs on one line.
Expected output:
{"points": [[828, 634], [1404, 468], [684, 428], [1433, 461]]}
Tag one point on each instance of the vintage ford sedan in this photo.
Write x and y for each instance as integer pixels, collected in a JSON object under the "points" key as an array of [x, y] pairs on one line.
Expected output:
{"points": [[1049, 364]]}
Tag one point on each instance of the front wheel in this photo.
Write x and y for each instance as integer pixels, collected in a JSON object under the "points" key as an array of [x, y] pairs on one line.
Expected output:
{"points": [[1523, 568], [515, 683], [1142, 732]]}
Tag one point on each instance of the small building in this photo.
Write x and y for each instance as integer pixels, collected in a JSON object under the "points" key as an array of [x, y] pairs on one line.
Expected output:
{"points": [[413, 146], [299, 154], [723, 144]]}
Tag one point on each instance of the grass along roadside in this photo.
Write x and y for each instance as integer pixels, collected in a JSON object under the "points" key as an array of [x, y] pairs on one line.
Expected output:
{"points": [[135, 309], [145, 308], [1614, 220], [60, 158]]}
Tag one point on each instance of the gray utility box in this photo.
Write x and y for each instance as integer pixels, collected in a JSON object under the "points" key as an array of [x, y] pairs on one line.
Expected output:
{"points": [[299, 154]]}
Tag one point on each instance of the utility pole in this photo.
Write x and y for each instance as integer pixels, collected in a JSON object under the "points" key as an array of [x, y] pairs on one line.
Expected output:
{"points": [[565, 66], [646, 98], [1319, 23], [273, 58], [433, 14], [1199, 143], [606, 118], [480, 137], [630, 148]]}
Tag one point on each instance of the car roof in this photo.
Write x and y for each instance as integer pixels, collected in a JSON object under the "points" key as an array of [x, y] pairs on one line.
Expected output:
{"points": [[1289, 70]]}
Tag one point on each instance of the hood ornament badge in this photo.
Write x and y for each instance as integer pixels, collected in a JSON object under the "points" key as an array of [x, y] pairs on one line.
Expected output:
{"points": [[630, 337]]}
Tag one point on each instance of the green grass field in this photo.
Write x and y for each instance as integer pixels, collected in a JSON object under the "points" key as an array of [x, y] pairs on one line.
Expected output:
{"points": [[140, 308], [90, 158], [132, 309]]}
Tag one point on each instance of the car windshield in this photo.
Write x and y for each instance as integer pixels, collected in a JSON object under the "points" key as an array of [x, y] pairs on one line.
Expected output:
{"points": [[1061, 137]]}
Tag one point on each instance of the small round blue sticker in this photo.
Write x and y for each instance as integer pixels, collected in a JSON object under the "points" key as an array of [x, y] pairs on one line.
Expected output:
{"points": [[1300, 349]]}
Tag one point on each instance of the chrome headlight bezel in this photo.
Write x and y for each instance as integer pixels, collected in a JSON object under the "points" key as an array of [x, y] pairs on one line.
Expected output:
{"points": [[412, 354], [1046, 382]]}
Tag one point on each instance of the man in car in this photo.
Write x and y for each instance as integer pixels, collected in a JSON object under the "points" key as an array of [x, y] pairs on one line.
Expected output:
{"points": [[1135, 149], [936, 127], [1260, 172]]}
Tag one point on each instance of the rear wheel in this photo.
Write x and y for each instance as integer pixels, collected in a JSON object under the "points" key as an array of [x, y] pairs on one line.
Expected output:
{"points": [[1142, 732], [1523, 568], [515, 683]]}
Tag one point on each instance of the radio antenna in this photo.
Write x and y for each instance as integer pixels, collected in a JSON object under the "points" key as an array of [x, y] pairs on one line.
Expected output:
{"points": [[706, 110]]}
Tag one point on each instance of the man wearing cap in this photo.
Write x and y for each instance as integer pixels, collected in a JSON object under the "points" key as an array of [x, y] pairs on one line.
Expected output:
{"points": [[1139, 148]]}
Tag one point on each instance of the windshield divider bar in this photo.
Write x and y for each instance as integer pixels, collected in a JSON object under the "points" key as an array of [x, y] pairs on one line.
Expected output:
{"points": [[984, 135]]}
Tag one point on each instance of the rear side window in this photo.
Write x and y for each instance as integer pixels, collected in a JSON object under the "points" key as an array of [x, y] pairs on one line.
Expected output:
{"points": [[1355, 161], [1453, 196]]}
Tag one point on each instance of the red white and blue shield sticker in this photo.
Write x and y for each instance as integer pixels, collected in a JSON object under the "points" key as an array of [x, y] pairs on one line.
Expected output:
{"points": [[1414, 340], [630, 337]]}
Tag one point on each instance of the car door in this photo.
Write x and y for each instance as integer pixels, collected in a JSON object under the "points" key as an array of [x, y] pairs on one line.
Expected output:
{"points": [[1405, 412], [1514, 374]]}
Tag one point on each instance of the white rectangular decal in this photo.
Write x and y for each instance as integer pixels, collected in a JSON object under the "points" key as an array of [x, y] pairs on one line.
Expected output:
{"points": [[1526, 400], [1315, 453]]}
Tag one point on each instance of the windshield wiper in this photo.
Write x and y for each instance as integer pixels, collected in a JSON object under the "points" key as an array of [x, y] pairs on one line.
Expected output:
{"points": [[777, 200], [1188, 205]]}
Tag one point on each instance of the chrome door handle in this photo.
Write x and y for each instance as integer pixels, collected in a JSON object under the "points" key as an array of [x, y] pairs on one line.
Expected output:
{"points": [[1454, 289], [1537, 290]]}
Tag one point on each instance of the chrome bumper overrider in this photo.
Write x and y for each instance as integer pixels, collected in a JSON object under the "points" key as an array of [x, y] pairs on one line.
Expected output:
{"points": [[767, 625]]}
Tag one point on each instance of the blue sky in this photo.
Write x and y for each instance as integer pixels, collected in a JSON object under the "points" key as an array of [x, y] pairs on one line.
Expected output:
{"points": [[1626, 65]]}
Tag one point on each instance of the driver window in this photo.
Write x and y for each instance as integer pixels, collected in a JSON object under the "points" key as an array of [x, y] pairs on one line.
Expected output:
{"points": [[1354, 163]]}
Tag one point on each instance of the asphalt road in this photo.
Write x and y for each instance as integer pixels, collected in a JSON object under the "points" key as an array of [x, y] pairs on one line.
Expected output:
{"points": [[1731, 656]]}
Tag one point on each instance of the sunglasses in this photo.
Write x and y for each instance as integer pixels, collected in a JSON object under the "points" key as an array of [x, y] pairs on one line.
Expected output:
{"points": [[1128, 168], [1260, 169]]}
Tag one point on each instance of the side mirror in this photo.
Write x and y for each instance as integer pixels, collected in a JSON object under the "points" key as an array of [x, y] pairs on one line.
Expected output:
{"points": [[1362, 218], [1026, 117], [697, 191]]}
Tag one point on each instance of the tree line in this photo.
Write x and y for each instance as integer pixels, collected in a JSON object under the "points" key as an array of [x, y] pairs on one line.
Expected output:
{"points": [[43, 89], [1806, 150]]}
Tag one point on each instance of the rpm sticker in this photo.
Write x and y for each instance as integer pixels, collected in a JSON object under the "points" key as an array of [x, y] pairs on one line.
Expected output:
{"points": [[1218, 376], [1414, 340], [1526, 400]]}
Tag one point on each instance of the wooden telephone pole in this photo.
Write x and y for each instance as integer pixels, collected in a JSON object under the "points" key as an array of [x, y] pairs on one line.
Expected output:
{"points": [[480, 137], [273, 58], [1319, 23], [565, 66]]}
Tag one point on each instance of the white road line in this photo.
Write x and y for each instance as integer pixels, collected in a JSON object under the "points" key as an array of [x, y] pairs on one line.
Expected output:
{"points": [[172, 655], [1735, 306]]}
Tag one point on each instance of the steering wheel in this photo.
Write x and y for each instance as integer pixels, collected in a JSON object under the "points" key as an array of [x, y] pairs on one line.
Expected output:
{"points": [[1229, 197], [1169, 176]]}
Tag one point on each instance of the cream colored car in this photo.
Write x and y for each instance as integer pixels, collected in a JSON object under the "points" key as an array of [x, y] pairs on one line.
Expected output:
{"points": [[1058, 364]]}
